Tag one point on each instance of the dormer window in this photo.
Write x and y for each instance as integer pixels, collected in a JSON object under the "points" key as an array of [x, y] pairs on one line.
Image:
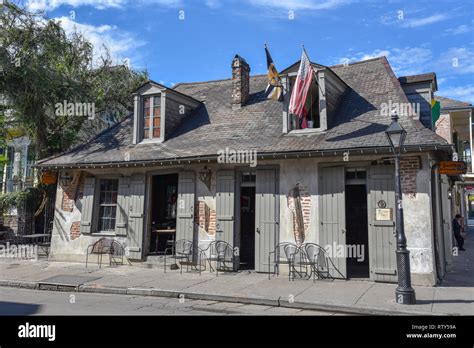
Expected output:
{"points": [[158, 112], [311, 118], [151, 117], [323, 99]]}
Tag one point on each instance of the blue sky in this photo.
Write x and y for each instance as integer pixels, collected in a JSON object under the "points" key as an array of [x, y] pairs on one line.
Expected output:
{"points": [[195, 40]]}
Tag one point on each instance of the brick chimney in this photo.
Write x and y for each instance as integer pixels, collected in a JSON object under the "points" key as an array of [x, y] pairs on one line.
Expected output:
{"points": [[240, 82]]}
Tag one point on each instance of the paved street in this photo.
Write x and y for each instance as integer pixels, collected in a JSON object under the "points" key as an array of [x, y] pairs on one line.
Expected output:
{"points": [[39, 302]]}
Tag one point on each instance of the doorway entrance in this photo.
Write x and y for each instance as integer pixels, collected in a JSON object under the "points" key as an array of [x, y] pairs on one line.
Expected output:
{"points": [[247, 221], [163, 212], [357, 227]]}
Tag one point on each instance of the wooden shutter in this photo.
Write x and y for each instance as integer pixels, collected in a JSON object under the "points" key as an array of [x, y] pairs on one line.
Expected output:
{"points": [[382, 241], [136, 216], [266, 217], [332, 214], [225, 206], [87, 205], [123, 206], [185, 206]]}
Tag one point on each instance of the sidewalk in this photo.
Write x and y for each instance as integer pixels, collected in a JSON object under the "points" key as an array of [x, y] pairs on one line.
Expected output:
{"points": [[358, 297]]}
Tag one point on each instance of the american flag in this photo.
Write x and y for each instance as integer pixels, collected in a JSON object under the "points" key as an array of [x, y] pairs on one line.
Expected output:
{"points": [[301, 87]]}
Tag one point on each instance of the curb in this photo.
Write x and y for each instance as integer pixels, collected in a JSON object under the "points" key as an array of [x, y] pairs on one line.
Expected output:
{"points": [[325, 307]]}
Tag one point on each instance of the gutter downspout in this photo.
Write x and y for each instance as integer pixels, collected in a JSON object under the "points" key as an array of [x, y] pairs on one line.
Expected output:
{"points": [[437, 222]]}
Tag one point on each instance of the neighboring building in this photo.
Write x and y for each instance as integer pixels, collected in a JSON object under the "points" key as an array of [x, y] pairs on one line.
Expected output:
{"points": [[17, 174], [160, 171], [455, 125]]}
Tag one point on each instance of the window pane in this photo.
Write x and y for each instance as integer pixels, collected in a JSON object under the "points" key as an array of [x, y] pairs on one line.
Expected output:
{"points": [[157, 101], [107, 204]]}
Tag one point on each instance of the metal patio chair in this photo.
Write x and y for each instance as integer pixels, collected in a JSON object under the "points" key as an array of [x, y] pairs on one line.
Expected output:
{"points": [[180, 250], [224, 256], [106, 246], [99, 248], [297, 262], [320, 261], [278, 257], [317, 259], [195, 260], [116, 253]]}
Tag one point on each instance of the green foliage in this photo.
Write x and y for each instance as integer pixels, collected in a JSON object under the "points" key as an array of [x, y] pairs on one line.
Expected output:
{"points": [[32, 195], [41, 66]]}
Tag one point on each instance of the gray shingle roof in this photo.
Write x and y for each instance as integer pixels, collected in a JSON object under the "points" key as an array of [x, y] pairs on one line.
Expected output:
{"points": [[258, 125], [447, 103]]}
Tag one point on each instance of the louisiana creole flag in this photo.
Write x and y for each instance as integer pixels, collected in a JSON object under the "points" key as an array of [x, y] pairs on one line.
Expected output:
{"points": [[301, 87], [274, 88]]}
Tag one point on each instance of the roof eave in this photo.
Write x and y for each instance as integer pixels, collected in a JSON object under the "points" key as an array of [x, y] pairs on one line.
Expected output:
{"points": [[266, 155]]}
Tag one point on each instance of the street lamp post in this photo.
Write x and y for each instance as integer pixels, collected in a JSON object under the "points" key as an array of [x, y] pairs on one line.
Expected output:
{"points": [[404, 293]]}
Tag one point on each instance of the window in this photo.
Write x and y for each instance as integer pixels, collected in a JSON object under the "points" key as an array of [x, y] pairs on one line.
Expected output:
{"points": [[311, 118], [356, 173], [248, 177], [146, 117], [151, 117], [107, 204]]}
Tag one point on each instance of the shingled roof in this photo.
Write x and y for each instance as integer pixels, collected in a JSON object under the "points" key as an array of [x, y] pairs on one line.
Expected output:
{"points": [[258, 125], [448, 103]]}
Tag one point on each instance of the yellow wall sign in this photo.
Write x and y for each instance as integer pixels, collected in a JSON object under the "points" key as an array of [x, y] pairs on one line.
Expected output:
{"points": [[452, 167], [49, 178]]}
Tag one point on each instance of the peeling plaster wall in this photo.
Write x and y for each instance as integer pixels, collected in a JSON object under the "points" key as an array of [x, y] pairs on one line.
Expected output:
{"points": [[419, 227], [306, 173]]}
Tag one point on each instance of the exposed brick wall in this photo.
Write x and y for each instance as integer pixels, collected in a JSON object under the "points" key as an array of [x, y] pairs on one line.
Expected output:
{"points": [[305, 202], [443, 128], [75, 231], [240, 82], [205, 217], [409, 167], [70, 193]]}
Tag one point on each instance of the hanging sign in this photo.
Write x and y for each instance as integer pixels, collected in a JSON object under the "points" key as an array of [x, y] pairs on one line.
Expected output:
{"points": [[452, 167], [48, 178]]}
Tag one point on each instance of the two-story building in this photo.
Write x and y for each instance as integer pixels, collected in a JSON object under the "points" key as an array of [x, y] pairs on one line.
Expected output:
{"points": [[216, 160]]}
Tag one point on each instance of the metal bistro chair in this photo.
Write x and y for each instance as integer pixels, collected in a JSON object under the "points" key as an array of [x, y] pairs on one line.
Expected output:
{"points": [[181, 250], [224, 254], [297, 262], [196, 260], [278, 253], [106, 246], [318, 260]]}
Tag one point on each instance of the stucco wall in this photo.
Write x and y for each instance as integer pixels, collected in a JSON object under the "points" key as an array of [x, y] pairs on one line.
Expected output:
{"points": [[417, 208], [418, 226]]}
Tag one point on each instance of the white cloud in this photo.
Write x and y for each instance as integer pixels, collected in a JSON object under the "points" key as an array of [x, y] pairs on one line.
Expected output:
{"points": [[299, 4], [374, 54], [404, 61], [457, 60], [213, 4], [49, 5], [410, 56], [461, 29], [122, 45], [464, 93], [413, 23]]}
